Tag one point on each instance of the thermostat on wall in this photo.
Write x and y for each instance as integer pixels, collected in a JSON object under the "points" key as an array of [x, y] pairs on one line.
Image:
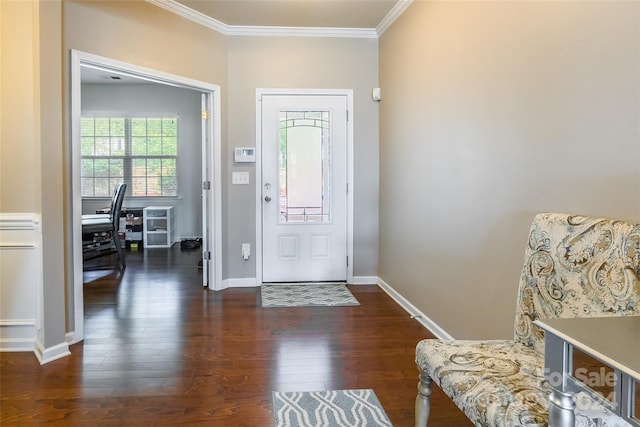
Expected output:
{"points": [[244, 155]]}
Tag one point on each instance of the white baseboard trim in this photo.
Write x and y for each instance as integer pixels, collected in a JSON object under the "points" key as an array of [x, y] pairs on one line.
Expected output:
{"points": [[17, 334], [242, 282], [70, 337], [245, 282], [414, 312], [16, 344], [46, 355], [364, 280]]}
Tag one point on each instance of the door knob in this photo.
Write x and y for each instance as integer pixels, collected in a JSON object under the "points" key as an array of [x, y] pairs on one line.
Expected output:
{"points": [[267, 198]]}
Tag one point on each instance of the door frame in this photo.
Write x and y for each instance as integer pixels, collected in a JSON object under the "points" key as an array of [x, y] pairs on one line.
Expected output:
{"points": [[348, 93], [79, 59]]}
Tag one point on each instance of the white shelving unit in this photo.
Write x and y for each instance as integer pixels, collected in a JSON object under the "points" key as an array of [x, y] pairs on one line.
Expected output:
{"points": [[159, 226]]}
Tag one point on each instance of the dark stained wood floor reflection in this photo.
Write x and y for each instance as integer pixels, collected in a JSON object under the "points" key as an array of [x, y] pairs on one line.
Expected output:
{"points": [[159, 349]]}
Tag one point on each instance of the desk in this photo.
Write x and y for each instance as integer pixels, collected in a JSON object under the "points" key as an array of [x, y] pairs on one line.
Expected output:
{"points": [[130, 223], [614, 341]]}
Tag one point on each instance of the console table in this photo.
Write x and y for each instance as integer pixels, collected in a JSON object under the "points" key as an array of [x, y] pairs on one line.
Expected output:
{"points": [[613, 341]]}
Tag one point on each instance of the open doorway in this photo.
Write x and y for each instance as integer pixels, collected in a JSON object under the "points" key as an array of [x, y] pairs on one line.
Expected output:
{"points": [[209, 153]]}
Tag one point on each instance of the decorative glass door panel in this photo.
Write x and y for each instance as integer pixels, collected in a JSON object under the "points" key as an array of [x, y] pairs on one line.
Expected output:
{"points": [[304, 166]]}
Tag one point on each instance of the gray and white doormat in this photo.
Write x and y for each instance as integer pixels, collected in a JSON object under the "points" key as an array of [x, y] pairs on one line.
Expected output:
{"points": [[307, 295], [334, 408]]}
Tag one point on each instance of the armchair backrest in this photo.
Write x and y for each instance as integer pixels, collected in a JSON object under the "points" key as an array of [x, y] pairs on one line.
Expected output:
{"points": [[577, 266]]}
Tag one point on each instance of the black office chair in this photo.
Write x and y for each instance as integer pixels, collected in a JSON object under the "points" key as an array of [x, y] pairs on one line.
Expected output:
{"points": [[100, 232], [112, 206]]}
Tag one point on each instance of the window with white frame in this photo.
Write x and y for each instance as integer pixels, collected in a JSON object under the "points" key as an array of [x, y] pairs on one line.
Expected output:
{"points": [[140, 151]]}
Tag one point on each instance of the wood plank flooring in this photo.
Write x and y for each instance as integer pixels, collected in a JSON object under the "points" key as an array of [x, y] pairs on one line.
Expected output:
{"points": [[161, 350]]}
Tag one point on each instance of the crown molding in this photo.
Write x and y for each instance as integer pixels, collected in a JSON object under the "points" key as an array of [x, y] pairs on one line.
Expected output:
{"points": [[393, 14], [241, 30], [238, 30], [192, 15]]}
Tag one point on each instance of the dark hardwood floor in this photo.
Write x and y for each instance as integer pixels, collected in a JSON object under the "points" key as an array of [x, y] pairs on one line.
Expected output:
{"points": [[159, 349]]}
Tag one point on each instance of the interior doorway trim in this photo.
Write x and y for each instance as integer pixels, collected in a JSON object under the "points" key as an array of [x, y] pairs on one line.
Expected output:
{"points": [[79, 59], [348, 93]]}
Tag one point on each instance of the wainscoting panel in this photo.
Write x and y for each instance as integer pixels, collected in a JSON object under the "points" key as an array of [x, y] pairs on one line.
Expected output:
{"points": [[20, 280]]}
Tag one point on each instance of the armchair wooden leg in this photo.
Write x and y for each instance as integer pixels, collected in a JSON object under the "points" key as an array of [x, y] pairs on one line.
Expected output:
{"points": [[423, 400]]}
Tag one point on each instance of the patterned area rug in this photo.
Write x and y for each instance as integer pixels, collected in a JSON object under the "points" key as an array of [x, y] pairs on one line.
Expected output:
{"points": [[336, 408], [306, 295]]}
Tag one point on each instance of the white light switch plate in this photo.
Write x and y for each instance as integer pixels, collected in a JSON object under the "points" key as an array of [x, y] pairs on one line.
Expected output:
{"points": [[240, 178]]}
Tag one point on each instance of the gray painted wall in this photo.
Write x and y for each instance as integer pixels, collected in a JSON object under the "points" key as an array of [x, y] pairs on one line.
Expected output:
{"points": [[150, 99], [492, 112], [317, 63]]}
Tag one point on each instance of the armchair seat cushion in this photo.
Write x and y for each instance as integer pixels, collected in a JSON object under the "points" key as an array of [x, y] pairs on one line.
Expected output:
{"points": [[494, 382], [500, 383]]}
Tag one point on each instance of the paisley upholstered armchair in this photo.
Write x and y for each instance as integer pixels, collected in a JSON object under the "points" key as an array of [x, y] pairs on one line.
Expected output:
{"points": [[574, 266]]}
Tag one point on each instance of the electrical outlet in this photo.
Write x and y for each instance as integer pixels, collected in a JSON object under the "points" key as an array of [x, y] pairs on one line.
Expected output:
{"points": [[246, 251]]}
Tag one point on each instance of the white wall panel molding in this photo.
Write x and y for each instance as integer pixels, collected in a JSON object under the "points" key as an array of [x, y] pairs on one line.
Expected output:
{"points": [[414, 312], [20, 280], [17, 334], [20, 221]]}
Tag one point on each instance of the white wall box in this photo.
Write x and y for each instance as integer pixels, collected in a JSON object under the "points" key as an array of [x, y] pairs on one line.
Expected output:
{"points": [[159, 226]]}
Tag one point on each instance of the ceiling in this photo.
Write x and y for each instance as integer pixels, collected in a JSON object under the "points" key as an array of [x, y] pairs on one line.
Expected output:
{"points": [[295, 13], [347, 14]]}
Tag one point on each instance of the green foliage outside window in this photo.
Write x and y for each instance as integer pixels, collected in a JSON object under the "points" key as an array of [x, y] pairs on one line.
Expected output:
{"points": [[141, 151]]}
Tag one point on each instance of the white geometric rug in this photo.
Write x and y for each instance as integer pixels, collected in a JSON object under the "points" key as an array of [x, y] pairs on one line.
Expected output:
{"points": [[306, 295], [335, 408]]}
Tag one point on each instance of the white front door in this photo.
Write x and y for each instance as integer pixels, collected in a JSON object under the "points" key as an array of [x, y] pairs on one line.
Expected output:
{"points": [[304, 188]]}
